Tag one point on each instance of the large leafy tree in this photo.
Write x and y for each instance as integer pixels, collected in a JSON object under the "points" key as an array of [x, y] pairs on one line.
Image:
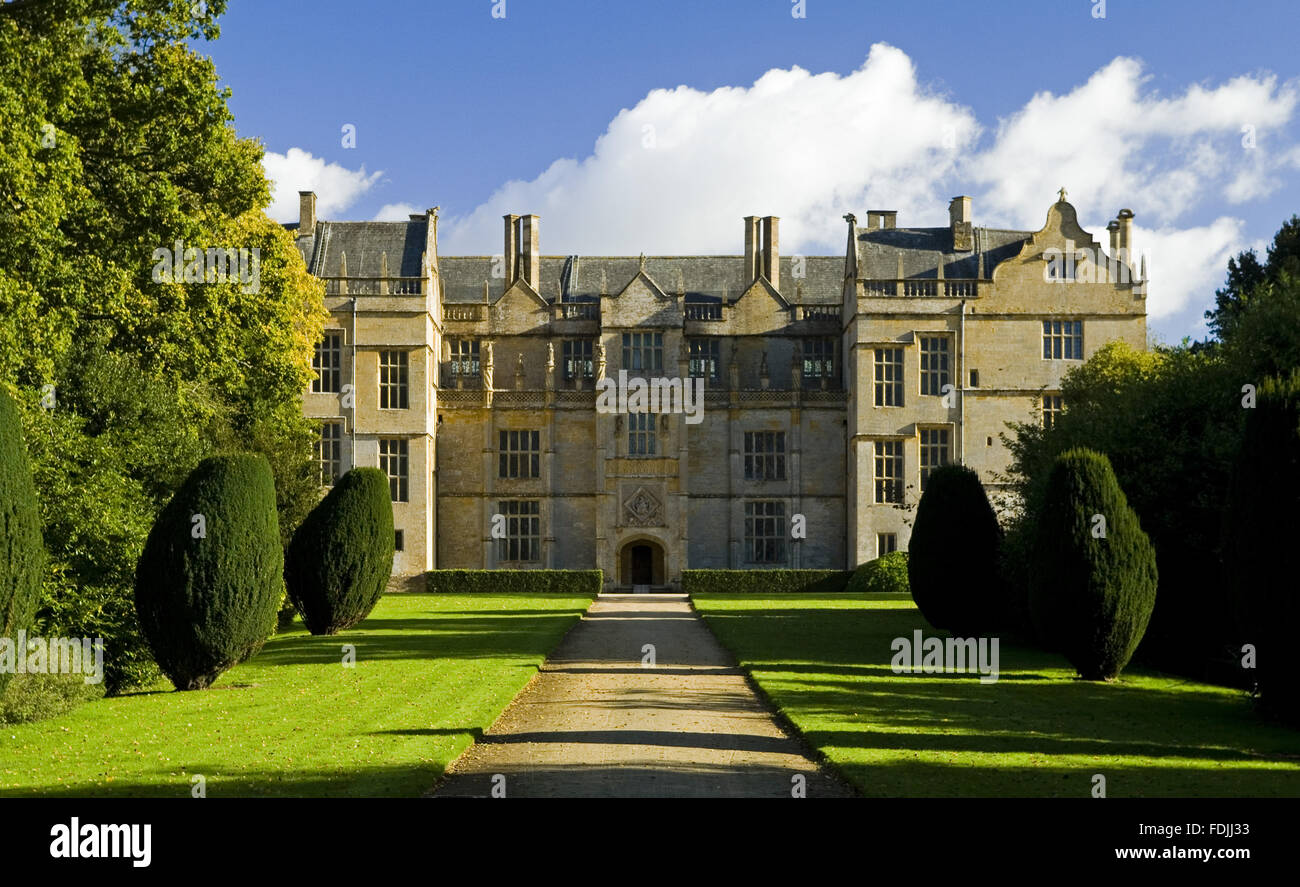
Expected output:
{"points": [[115, 141]]}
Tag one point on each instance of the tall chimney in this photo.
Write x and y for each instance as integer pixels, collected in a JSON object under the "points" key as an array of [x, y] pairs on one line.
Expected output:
{"points": [[771, 251], [1126, 230], [511, 250], [959, 216], [306, 213], [530, 254], [1113, 228], [753, 266]]}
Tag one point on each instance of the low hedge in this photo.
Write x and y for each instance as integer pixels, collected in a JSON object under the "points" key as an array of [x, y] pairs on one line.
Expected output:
{"points": [[886, 574], [764, 581], [573, 582]]}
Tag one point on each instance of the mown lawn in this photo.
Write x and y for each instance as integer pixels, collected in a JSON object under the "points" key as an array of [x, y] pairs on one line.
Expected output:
{"points": [[825, 663], [432, 672]]}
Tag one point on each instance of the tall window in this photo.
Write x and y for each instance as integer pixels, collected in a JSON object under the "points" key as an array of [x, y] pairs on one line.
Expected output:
{"points": [[522, 541], [889, 471], [818, 360], [1053, 404], [520, 455], [889, 377], [394, 372], [329, 452], [394, 462], [886, 543], [764, 455], [641, 434], [1063, 340], [705, 359], [765, 532], [328, 364], [934, 364], [464, 358], [578, 363], [644, 352], [934, 452]]}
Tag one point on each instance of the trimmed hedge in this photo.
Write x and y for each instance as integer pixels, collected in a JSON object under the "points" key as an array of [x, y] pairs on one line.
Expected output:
{"points": [[208, 602], [571, 582], [764, 581], [953, 564], [340, 558], [1092, 594], [22, 550], [886, 574], [1261, 554]]}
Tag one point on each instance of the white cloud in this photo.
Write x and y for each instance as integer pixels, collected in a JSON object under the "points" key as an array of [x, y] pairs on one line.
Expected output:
{"points": [[1186, 264], [336, 186], [396, 212], [675, 173]]}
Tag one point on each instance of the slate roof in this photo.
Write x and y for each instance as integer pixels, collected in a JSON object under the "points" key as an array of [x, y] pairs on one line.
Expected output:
{"points": [[703, 278], [364, 243], [923, 249]]}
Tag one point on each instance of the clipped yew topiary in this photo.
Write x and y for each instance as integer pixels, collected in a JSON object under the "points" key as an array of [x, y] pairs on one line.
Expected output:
{"points": [[886, 574], [209, 581], [339, 561], [952, 564], [1261, 554], [22, 551], [1094, 571]]}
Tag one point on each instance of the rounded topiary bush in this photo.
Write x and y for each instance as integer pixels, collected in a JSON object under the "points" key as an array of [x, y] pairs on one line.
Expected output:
{"points": [[209, 581], [339, 561], [1094, 576], [22, 551], [1261, 554], [886, 574], [952, 565]]}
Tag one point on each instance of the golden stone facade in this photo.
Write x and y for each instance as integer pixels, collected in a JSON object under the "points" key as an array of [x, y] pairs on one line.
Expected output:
{"points": [[830, 385]]}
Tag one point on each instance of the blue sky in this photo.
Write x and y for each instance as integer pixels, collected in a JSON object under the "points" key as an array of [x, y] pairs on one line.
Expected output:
{"points": [[572, 110]]}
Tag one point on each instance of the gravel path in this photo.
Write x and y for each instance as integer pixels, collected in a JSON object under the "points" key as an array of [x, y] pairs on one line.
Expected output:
{"points": [[596, 722]]}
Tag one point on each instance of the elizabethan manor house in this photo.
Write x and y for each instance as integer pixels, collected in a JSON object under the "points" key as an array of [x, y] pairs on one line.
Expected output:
{"points": [[649, 414]]}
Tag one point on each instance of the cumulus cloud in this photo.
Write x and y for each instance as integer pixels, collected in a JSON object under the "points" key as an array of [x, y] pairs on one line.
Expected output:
{"points": [[1114, 145], [336, 186], [1186, 265], [677, 172], [396, 212]]}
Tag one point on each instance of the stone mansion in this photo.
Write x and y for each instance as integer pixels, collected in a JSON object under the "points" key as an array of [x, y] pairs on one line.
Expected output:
{"points": [[828, 386]]}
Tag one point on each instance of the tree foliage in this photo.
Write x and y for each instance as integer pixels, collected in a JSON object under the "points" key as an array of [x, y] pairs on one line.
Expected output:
{"points": [[115, 142], [1262, 558], [952, 565], [22, 552], [338, 564], [210, 578], [1094, 580]]}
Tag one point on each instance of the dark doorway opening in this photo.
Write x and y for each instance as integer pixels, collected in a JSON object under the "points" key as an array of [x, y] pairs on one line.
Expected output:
{"points": [[642, 565]]}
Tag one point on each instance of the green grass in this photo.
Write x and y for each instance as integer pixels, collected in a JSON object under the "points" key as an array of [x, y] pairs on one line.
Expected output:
{"points": [[824, 661], [432, 672]]}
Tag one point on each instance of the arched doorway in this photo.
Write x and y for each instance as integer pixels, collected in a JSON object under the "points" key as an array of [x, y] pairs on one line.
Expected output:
{"points": [[641, 562]]}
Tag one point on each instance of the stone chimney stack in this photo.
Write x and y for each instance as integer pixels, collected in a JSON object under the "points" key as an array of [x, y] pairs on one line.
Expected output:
{"points": [[771, 251], [530, 253], [753, 266], [306, 213], [963, 230], [881, 218], [1126, 231], [511, 248], [1113, 228]]}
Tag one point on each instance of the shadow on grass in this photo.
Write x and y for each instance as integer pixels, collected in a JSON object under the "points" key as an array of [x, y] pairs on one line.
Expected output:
{"points": [[437, 636], [828, 669]]}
